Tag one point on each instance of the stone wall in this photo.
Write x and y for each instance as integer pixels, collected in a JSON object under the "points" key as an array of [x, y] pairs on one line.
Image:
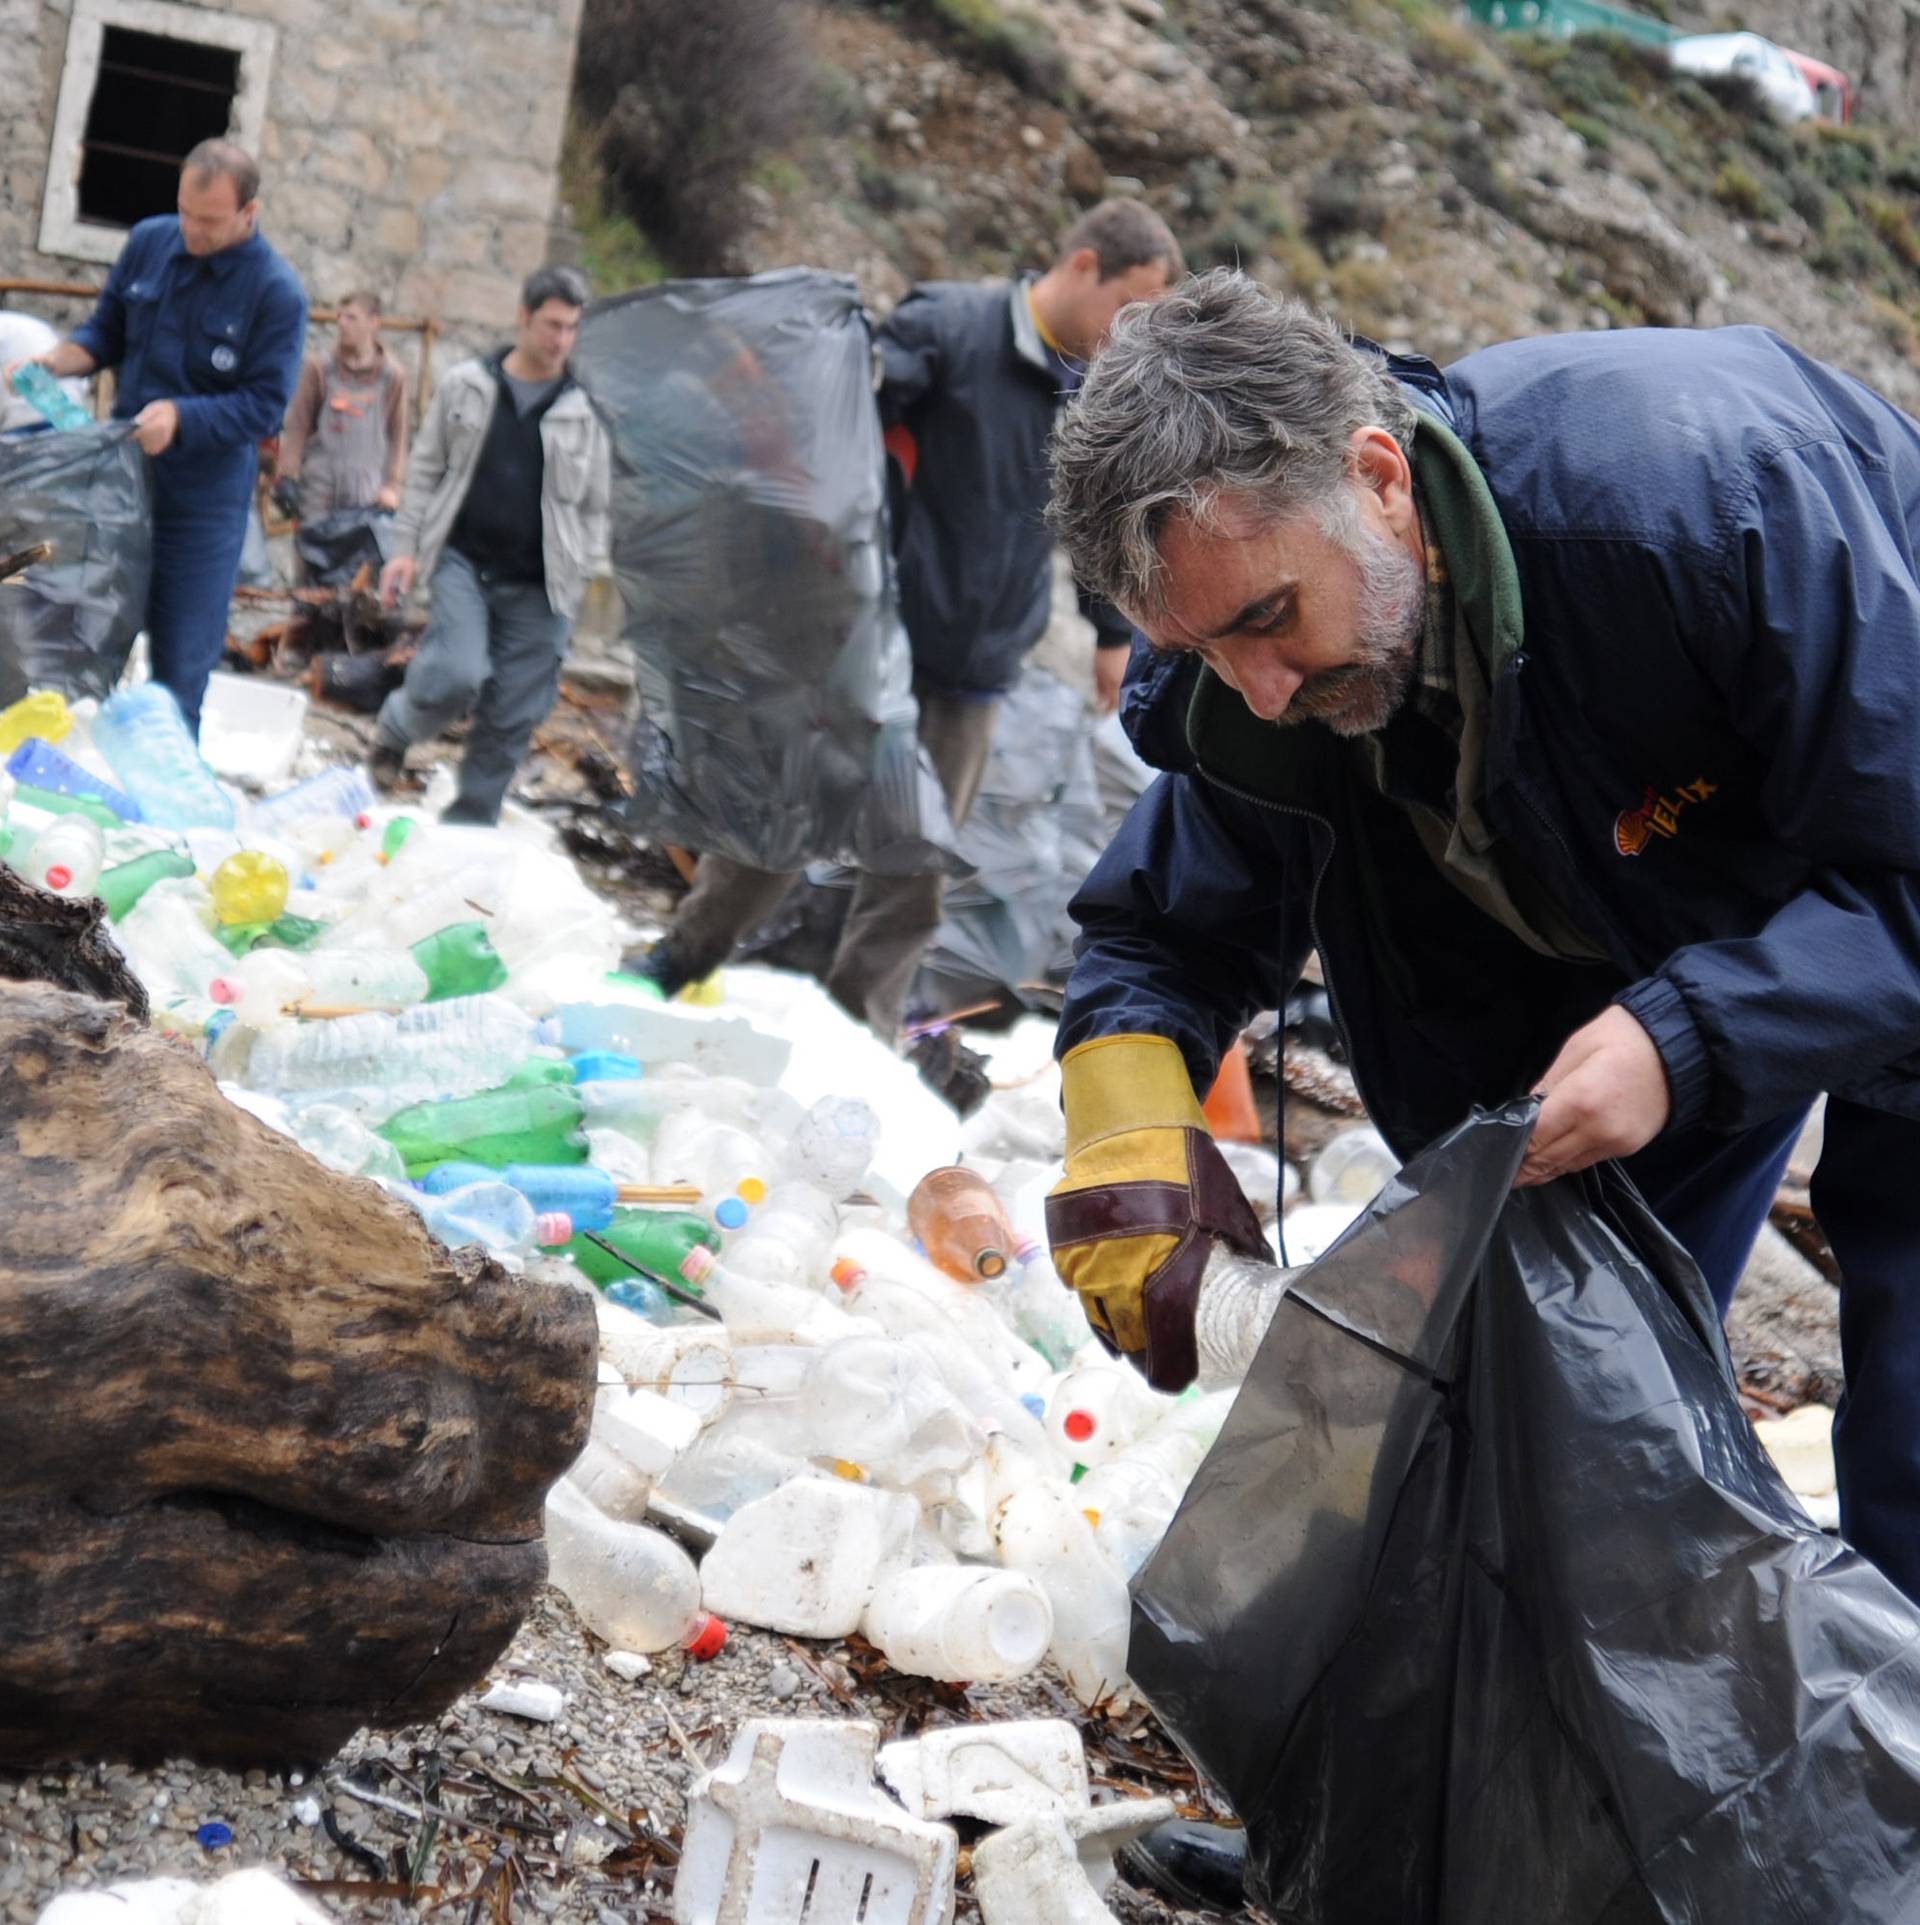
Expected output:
{"points": [[406, 145]]}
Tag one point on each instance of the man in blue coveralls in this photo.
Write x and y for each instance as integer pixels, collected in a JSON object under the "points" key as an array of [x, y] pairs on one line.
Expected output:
{"points": [[206, 324]]}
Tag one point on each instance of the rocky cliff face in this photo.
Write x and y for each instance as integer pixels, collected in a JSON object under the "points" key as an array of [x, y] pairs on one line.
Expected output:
{"points": [[1435, 186]]}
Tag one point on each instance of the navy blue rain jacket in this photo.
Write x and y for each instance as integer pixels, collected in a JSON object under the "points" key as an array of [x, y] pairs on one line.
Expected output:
{"points": [[219, 334], [1709, 744], [965, 372]]}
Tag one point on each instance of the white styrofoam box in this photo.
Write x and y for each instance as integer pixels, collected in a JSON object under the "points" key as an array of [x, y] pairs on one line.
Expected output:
{"points": [[999, 1773], [791, 1830]]}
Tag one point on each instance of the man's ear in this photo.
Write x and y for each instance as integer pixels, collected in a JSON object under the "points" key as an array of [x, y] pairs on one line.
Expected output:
{"points": [[1380, 465]]}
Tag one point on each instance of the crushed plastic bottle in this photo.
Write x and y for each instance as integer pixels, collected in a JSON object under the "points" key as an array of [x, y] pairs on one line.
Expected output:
{"points": [[40, 389], [630, 1585], [495, 1216], [148, 745], [834, 1143], [36, 764], [342, 1142], [168, 936], [339, 791], [961, 1224]]}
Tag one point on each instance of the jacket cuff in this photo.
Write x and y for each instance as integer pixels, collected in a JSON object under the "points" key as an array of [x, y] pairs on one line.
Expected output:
{"points": [[1660, 1009]]}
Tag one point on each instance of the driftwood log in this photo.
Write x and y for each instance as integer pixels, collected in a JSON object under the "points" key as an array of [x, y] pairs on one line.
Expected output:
{"points": [[272, 1460]]}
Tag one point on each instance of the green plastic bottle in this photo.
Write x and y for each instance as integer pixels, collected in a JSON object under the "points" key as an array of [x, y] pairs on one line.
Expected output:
{"points": [[393, 838], [497, 1127], [658, 1240], [541, 1072], [54, 803], [126, 882], [459, 961]]}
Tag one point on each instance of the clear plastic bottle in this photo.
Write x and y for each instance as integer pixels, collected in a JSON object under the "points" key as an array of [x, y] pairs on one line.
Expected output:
{"points": [[961, 1224], [40, 389], [169, 939], [877, 1403], [342, 1142], [630, 1585], [787, 1237], [690, 1364], [1351, 1167], [1130, 1500], [269, 986], [459, 1047], [960, 1623], [65, 857], [1237, 1300], [717, 1157], [493, 1215], [1038, 1307], [340, 791], [634, 1105], [148, 745], [250, 886], [834, 1143], [1041, 1530]]}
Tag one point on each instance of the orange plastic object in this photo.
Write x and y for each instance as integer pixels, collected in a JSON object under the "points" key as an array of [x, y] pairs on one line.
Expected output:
{"points": [[1229, 1106], [961, 1224]]}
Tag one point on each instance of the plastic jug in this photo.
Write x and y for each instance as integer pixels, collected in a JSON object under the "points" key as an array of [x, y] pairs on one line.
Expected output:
{"points": [[961, 1224], [249, 887], [38, 765], [42, 712], [121, 886], [630, 1585], [960, 1623], [64, 858], [495, 1127], [1097, 1410], [493, 1215], [148, 745]]}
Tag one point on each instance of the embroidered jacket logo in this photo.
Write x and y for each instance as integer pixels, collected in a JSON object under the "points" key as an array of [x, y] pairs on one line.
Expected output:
{"points": [[1657, 815]]}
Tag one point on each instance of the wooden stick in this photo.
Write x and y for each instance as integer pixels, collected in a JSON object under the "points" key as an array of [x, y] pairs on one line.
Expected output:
{"points": [[657, 1193]]}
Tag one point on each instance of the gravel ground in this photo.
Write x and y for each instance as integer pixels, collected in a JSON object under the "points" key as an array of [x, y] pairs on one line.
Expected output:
{"points": [[576, 1821]]}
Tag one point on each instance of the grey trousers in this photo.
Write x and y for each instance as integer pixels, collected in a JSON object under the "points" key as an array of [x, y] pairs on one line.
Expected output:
{"points": [[892, 918], [491, 647]]}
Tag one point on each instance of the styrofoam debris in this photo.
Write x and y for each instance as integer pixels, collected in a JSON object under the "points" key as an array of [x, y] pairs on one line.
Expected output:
{"points": [[1099, 1831], [627, 1664], [791, 1830], [1030, 1872], [998, 1773], [251, 1897], [526, 1698]]}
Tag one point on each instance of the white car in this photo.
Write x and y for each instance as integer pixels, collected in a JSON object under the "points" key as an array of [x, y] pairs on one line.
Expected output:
{"points": [[1782, 85]]}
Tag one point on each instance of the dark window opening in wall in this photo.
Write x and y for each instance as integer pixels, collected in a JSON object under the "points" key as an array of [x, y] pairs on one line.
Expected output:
{"points": [[154, 98]]}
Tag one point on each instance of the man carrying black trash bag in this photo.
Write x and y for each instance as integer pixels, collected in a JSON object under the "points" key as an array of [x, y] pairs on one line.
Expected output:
{"points": [[1565, 702], [972, 378]]}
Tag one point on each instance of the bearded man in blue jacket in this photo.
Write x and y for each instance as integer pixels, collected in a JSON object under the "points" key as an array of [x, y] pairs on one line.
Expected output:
{"points": [[1568, 703]]}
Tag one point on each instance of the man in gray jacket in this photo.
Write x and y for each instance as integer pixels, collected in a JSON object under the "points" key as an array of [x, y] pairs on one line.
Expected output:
{"points": [[505, 514]]}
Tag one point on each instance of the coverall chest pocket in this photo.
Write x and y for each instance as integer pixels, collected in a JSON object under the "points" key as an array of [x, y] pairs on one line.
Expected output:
{"points": [[567, 453], [215, 348]]}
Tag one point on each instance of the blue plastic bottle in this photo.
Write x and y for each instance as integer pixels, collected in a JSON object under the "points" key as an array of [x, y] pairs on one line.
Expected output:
{"points": [[40, 765], [604, 1065], [147, 743], [577, 1191]]}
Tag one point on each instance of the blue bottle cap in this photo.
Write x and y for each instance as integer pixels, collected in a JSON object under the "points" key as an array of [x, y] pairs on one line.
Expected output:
{"points": [[1035, 1405], [214, 1834], [730, 1213]]}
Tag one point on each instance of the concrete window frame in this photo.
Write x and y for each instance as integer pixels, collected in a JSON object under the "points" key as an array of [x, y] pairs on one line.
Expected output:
{"points": [[62, 231]]}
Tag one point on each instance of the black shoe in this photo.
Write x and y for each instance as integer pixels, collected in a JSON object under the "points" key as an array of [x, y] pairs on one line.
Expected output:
{"points": [[661, 965], [951, 1070], [1203, 1867], [386, 767]]}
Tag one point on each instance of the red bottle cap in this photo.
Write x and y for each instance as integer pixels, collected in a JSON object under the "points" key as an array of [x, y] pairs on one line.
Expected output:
{"points": [[1079, 1425], [59, 876], [551, 1227], [707, 1638], [363, 821], [847, 1274], [224, 990]]}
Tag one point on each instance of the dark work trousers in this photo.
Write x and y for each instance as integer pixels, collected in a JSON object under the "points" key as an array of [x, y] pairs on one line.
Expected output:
{"points": [[199, 528], [892, 918], [492, 647]]}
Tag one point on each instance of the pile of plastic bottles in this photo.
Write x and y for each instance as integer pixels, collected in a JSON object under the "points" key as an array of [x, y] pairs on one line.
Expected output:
{"points": [[870, 1403]]}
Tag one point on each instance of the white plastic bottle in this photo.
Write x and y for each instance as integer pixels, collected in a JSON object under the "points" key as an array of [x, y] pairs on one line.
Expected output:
{"points": [[960, 1623], [1130, 1500], [630, 1585], [1098, 1409], [1040, 1530], [65, 858]]}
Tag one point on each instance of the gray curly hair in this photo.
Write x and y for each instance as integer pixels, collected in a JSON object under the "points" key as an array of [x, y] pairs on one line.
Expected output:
{"points": [[1220, 390]]}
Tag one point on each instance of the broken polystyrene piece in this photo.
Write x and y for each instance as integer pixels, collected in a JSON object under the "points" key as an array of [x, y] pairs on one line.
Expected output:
{"points": [[251, 1897], [805, 1558], [1099, 1831], [1030, 1872], [529, 1698], [998, 1773], [792, 1828], [627, 1664]]}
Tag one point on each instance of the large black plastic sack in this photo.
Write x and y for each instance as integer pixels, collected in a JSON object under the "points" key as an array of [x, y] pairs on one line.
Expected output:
{"points": [[749, 545], [69, 623], [335, 547], [1487, 1607]]}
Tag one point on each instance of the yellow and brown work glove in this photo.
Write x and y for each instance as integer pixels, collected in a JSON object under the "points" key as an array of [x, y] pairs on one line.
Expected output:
{"points": [[1144, 1199]]}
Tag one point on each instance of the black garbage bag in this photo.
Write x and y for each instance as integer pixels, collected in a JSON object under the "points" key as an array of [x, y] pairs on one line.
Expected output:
{"points": [[335, 547], [1488, 1609], [69, 623], [749, 545]]}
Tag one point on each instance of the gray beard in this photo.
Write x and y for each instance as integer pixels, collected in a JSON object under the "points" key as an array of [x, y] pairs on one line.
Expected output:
{"points": [[1362, 695]]}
